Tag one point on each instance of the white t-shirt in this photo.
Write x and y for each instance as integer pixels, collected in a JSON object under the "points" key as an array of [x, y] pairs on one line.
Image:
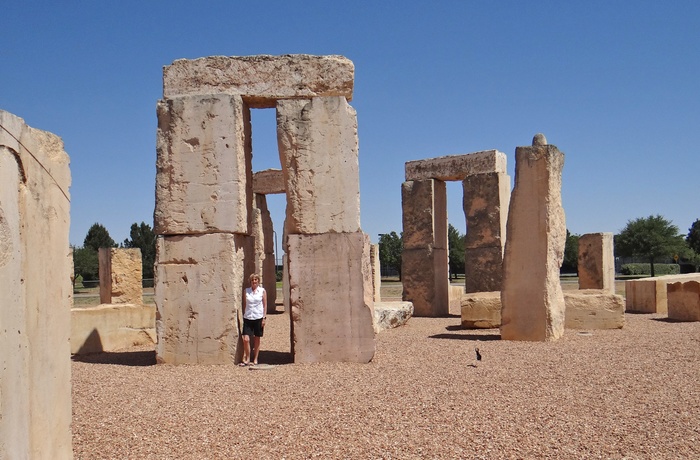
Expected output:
{"points": [[254, 308]]}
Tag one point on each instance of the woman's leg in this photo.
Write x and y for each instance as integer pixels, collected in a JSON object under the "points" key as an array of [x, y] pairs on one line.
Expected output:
{"points": [[246, 349], [256, 349]]}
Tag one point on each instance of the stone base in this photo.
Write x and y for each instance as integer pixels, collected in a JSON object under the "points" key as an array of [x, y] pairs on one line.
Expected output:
{"points": [[648, 295], [684, 301], [587, 309], [110, 327], [388, 315]]}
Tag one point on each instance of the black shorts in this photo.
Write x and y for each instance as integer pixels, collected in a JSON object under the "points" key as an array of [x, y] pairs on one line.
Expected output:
{"points": [[253, 327]]}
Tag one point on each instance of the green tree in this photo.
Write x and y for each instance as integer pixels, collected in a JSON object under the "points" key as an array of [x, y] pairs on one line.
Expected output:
{"points": [[652, 238], [570, 264], [693, 238], [390, 249], [85, 263], [456, 242], [98, 237], [142, 237]]}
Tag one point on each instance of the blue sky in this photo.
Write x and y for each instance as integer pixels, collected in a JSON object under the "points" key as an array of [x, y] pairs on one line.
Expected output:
{"points": [[615, 85]]}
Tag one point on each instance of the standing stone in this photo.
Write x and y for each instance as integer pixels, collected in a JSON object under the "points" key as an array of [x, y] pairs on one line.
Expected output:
{"points": [[596, 262], [35, 293], [684, 301], [121, 276], [203, 169], [424, 260], [532, 299], [317, 140], [486, 198], [331, 297], [376, 273], [265, 250]]}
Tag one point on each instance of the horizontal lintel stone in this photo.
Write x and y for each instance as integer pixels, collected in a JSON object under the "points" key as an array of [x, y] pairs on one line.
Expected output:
{"points": [[456, 167], [268, 182]]}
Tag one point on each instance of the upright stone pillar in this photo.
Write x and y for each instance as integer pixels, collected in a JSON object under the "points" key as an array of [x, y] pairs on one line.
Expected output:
{"points": [[532, 300], [203, 216], [424, 260], [121, 276], [485, 203], [596, 262], [265, 250], [35, 293], [376, 272], [328, 255]]}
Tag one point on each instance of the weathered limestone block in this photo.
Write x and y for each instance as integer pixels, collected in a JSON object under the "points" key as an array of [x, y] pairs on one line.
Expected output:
{"points": [[110, 327], [331, 298], [261, 80], [481, 310], [684, 301], [589, 309], [265, 250], [531, 297], [596, 262], [376, 273], [649, 295], [388, 315], [424, 214], [121, 276], [483, 269], [455, 295], [268, 182], [35, 293], [456, 167], [203, 166], [485, 202], [198, 294], [425, 281], [317, 141], [594, 309]]}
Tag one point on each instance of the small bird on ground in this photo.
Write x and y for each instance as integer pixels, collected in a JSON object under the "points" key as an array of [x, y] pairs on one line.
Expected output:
{"points": [[478, 355]]}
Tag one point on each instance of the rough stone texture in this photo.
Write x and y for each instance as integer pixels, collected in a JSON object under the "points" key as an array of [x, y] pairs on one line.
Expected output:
{"points": [[485, 202], [594, 309], [376, 273], [425, 281], [424, 215], [198, 295], [331, 298], [35, 293], [111, 327], [532, 299], [596, 262], [121, 276], [203, 166], [455, 297], [261, 80], [648, 295], [456, 167], [684, 301], [388, 315], [268, 182], [481, 310], [286, 289], [539, 139], [317, 141], [265, 250]]}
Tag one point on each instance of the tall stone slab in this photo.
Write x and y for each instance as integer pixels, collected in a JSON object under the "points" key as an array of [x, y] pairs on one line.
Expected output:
{"points": [[532, 300], [318, 150], [198, 295], [331, 297], [596, 262], [424, 260], [265, 250], [203, 166], [121, 276], [376, 273], [35, 293], [485, 202]]}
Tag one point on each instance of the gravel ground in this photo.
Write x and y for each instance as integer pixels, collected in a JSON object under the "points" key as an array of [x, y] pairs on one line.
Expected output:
{"points": [[630, 393]]}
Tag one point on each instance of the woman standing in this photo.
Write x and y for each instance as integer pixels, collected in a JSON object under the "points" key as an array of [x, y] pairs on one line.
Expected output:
{"points": [[253, 319]]}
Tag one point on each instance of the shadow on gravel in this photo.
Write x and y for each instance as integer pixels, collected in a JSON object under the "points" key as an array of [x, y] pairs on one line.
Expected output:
{"points": [[668, 320], [126, 358], [275, 357], [478, 337]]}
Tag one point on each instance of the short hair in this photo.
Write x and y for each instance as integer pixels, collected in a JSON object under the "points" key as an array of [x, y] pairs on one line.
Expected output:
{"points": [[253, 276]]}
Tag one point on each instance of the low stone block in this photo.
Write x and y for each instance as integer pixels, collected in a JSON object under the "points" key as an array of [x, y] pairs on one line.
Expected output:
{"points": [[425, 281], [456, 167], [424, 217], [203, 166], [111, 327], [684, 301], [331, 297], [317, 139], [648, 295], [481, 310], [198, 294], [261, 80], [594, 309], [388, 315]]}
